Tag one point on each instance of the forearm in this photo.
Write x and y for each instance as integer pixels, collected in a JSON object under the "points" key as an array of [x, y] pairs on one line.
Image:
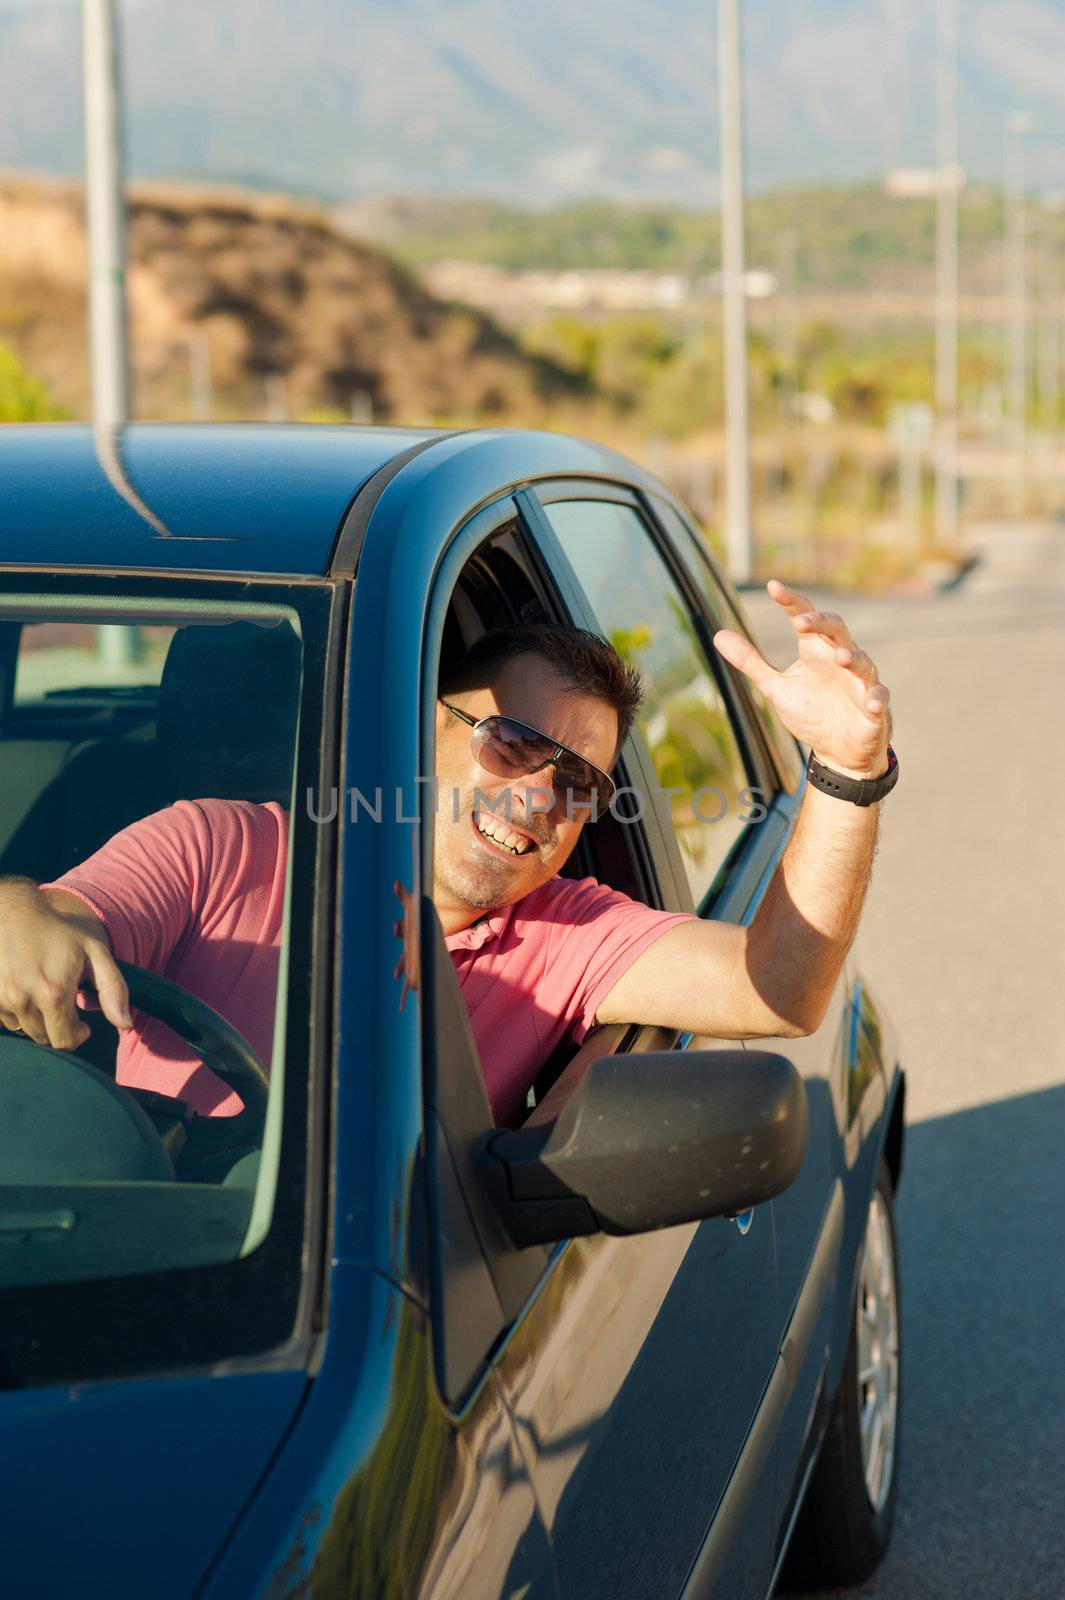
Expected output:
{"points": [[807, 921], [23, 894]]}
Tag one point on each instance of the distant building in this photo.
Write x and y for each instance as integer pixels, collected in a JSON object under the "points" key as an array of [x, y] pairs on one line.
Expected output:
{"points": [[758, 284], [497, 289], [921, 183]]}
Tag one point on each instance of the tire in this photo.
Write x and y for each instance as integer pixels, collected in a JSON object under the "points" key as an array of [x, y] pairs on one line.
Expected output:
{"points": [[845, 1524]]}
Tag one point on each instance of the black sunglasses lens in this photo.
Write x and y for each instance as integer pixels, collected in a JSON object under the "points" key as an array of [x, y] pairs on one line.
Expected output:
{"points": [[579, 780], [509, 749]]}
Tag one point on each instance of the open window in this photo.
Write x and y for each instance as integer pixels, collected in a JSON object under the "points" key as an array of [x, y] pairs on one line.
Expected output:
{"points": [[507, 581]]}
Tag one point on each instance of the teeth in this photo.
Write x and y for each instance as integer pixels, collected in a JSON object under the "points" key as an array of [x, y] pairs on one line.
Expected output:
{"points": [[514, 842]]}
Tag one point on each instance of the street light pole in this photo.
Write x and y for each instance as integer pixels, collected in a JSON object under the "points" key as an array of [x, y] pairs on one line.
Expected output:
{"points": [[105, 216], [1050, 333], [738, 541], [948, 185], [1016, 313]]}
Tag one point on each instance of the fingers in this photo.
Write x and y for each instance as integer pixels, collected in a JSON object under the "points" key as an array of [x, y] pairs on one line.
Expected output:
{"points": [[110, 985], [805, 616], [828, 624], [59, 1014], [859, 663], [49, 1018], [790, 600], [740, 652], [26, 1019]]}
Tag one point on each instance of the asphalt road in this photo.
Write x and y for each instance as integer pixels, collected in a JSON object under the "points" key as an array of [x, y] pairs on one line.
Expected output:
{"points": [[964, 940]]}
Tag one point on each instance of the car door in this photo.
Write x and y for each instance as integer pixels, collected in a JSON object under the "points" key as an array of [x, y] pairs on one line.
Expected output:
{"points": [[810, 1215], [637, 1375]]}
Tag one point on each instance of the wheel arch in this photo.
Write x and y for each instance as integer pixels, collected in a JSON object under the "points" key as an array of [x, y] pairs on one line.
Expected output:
{"points": [[895, 1137]]}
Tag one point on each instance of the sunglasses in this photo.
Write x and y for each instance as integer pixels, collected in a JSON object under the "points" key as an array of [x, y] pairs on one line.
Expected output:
{"points": [[511, 749]]}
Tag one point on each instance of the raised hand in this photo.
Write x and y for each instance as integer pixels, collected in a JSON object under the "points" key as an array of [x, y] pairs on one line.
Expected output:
{"points": [[831, 696]]}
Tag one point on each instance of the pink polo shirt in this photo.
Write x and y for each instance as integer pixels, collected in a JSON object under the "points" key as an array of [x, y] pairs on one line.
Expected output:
{"points": [[536, 973], [196, 893]]}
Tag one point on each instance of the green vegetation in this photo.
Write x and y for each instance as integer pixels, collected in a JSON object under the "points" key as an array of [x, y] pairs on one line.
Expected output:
{"points": [[668, 380], [828, 237], [22, 397]]}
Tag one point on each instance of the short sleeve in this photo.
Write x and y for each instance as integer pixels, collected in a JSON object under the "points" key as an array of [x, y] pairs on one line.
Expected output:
{"points": [[146, 884], [596, 935]]}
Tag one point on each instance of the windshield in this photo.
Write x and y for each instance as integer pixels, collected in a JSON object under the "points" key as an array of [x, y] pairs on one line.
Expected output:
{"points": [[147, 1110]]}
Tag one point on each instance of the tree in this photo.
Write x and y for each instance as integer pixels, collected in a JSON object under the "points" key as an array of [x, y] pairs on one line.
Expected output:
{"points": [[23, 398]]}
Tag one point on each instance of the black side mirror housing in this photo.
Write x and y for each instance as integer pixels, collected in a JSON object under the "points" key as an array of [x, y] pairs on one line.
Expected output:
{"points": [[647, 1141]]}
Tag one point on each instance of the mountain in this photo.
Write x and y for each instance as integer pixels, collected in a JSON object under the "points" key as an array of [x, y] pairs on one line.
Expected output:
{"points": [[530, 103], [260, 303]]}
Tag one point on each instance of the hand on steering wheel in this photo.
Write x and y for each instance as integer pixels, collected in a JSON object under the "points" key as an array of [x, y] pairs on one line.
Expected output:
{"points": [[215, 1041]]}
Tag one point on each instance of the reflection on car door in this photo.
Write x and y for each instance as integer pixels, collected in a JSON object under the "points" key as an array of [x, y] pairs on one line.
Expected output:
{"points": [[808, 1216], [638, 1370], [632, 1381]]}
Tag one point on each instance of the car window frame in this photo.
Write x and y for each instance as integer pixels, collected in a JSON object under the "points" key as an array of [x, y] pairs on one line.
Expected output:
{"points": [[475, 1281], [277, 1326], [691, 554], [665, 880], [478, 1298], [478, 1294], [751, 757]]}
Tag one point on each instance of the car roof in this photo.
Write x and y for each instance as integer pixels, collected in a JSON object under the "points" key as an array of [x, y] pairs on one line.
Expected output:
{"points": [[249, 498], [256, 499]]}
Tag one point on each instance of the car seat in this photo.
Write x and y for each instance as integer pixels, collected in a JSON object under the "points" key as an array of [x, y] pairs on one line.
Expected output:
{"points": [[224, 730]]}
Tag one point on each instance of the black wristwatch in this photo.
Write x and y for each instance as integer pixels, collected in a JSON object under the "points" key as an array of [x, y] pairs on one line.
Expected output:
{"points": [[862, 791]]}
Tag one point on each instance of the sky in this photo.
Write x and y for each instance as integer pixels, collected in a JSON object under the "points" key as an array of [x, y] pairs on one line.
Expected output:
{"points": [[535, 102]]}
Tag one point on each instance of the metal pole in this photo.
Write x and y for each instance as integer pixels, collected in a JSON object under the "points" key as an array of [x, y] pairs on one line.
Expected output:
{"points": [[738, 543], [1049, 356], [201, 398], [105, 212], [910, 491], [788, 321], [949, 182], [1016, 329]]}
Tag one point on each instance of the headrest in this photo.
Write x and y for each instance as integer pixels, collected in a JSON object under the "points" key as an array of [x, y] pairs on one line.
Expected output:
{"points": [[228, 701]]}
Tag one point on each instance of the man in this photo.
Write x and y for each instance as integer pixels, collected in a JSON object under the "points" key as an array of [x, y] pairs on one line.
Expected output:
{"points": [[196, 891]]}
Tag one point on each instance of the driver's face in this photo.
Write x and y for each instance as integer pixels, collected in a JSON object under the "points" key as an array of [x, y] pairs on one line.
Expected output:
{"points": [[473, 871]]}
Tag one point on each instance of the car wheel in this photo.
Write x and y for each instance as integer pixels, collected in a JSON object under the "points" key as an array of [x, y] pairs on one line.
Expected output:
{"points": [[845, 1524]]}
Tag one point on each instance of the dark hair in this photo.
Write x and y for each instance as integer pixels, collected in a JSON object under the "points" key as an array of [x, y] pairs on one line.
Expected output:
{"points": [[587, 662]]}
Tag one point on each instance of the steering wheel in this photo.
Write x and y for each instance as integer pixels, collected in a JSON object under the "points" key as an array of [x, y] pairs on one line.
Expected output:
{"points": [[216, 1042], [61, 1114]]}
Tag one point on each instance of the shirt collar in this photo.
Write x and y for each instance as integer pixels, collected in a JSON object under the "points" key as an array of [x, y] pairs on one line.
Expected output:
{"points": [[479, 933]]}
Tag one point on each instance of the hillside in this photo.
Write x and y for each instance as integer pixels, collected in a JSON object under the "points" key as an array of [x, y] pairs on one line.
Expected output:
{"points": [[851, 237], [261, 297], [542, 103]]}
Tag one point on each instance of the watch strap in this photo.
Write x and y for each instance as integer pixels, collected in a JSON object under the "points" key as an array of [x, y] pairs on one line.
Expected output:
{"points": [[861, 791]]}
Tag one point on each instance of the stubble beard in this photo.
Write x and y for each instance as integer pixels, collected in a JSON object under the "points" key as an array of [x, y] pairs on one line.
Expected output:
{"points": [[483, 885]]}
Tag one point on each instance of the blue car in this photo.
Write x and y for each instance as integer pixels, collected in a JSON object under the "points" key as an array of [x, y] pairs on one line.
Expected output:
{"points": [[286, 1309]]}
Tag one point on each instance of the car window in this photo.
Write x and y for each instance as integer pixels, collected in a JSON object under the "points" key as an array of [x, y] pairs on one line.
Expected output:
{"points": [[148, 759], [684, 719], [728, 613], [57, 658]]}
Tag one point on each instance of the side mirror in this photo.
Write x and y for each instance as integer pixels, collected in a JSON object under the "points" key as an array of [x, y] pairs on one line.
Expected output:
{"points": [[648, 1141]]}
